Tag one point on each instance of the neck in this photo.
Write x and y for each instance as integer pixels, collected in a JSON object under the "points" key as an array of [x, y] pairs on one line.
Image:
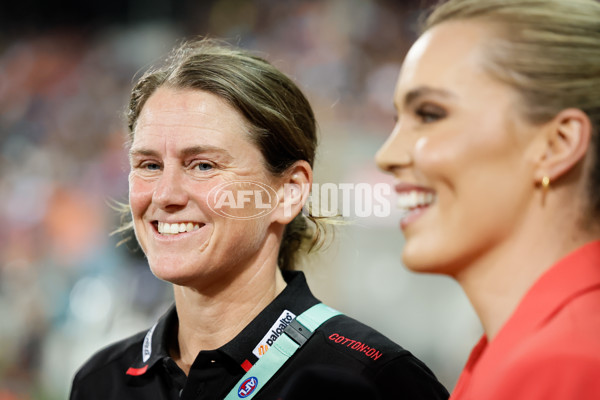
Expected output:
{"points": [[497, 281], [211, 317]]}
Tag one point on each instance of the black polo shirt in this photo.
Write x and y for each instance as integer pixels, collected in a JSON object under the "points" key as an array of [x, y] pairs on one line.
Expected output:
{"points": [[140, 367]]}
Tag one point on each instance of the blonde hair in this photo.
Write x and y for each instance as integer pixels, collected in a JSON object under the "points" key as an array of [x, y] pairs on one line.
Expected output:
{"points": [[549, 51]]}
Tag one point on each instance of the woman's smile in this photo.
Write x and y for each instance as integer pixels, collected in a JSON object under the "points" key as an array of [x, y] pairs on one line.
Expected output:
{"points": [[413, 201], [165, 228], [186, 144]]}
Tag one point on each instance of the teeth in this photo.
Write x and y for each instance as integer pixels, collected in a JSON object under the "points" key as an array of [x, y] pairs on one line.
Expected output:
{"points": [[173, 229], [414, 199]]}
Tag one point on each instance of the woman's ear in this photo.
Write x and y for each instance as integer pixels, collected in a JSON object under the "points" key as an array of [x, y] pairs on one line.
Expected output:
{"points": [[293, 192], [567, 140]]}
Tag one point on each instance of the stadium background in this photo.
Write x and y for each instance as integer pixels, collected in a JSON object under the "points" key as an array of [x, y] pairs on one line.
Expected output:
{"points": [[66, 69]]}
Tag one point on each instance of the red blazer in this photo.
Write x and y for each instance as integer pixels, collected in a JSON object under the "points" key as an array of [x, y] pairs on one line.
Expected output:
{"points": [[550, 347]]}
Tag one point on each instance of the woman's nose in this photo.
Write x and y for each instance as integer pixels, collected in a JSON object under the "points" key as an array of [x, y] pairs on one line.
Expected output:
{"points": [[395, 152], [170, 191]]}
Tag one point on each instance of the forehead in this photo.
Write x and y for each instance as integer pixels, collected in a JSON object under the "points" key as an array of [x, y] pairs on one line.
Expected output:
{"points": [[182, 107], [178, 118], [448, 56]]}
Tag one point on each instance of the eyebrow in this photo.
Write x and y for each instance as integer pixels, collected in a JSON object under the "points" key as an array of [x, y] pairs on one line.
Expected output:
{"points": [[186, 152], [412, 96]]}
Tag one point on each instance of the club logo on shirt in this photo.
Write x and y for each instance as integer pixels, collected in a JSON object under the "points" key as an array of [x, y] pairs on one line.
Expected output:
{"points": [[247, 387], [274, 332], [147, 346]]}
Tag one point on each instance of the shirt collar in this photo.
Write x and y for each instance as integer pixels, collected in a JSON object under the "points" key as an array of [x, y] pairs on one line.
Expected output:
{"points": [[571, 276], [155, 344], [243, 349]]}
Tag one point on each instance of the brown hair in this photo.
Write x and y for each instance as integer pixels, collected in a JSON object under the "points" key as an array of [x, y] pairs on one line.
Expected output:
{"points": [[549, 51], [280, 119]]}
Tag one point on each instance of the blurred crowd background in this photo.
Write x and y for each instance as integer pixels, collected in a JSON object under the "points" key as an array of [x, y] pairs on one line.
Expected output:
{"points": [[66, 69]]}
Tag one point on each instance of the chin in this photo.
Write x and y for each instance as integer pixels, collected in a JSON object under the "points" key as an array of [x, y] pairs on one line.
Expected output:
{"points": [[173, 270], [422, 263], [421, 268], [434, 262], [425, 252]]}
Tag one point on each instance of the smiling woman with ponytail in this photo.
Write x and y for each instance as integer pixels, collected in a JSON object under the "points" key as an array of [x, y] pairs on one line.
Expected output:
{"points": [[217, 121]]}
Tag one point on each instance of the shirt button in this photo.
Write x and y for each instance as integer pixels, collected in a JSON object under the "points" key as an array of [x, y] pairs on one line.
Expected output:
{"points": [[180, 392]]}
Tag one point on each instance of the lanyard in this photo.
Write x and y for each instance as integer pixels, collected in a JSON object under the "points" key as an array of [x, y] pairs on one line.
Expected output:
{"points": [[295, 335]]}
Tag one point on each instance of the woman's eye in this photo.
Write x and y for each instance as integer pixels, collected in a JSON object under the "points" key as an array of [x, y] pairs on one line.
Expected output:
{"points": [[151, 166], [429, 114], [203, 166]]}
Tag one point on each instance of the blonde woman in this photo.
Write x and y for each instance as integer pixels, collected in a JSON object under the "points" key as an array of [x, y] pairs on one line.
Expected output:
{"points": [[496, 155]]}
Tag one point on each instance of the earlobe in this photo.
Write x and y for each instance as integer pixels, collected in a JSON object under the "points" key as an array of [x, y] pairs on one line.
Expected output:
{"points": [[567, 141]]}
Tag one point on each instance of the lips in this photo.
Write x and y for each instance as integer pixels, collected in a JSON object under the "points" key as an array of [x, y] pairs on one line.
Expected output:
{"points": [[413, 201]]}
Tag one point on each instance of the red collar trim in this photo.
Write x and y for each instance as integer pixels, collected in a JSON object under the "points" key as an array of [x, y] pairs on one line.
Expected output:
{"points": [[137, 371]]}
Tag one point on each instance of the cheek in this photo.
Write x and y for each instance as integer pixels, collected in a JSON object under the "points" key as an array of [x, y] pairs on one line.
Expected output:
{"points": [[456, 157], [434, 157], [140, 194]]}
